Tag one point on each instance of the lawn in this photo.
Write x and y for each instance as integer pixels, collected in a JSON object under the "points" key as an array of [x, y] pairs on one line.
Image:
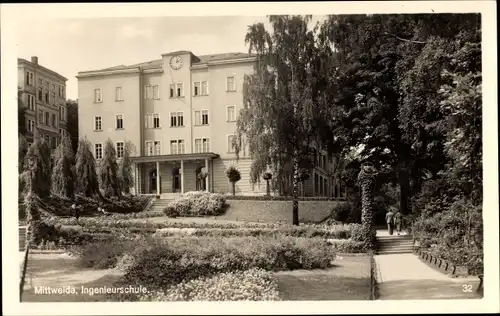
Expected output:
{"points": [[56, 272], [350, 279]]}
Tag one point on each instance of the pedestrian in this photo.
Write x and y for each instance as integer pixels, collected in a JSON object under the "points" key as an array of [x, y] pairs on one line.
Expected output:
{"points": [[389, 219], [398, 219]]}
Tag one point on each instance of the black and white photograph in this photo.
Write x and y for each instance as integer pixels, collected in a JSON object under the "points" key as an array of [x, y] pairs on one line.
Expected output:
{"points": [[317, 154]]}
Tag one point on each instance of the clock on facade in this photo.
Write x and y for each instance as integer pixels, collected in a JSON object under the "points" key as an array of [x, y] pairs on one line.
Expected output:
{"points": [[176, 62]]}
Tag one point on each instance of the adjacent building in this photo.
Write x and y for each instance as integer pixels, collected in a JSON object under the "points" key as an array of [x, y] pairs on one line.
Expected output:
{"points": [[180, 114], [43, 93]]}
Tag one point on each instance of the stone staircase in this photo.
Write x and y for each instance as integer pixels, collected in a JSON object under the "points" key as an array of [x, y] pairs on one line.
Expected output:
{"points": [[159, 205], [395, 244], [22, 238]]}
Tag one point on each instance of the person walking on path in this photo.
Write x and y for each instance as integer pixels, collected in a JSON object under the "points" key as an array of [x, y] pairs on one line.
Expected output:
{"points": [[398, 220], [389, 219]]}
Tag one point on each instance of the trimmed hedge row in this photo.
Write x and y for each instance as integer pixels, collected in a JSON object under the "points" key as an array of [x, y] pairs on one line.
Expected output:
{"points": [[281, 198]]}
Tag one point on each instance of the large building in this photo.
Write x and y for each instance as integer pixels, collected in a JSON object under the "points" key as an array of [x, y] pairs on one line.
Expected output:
{"points": [[180, 114], [43, 93]]}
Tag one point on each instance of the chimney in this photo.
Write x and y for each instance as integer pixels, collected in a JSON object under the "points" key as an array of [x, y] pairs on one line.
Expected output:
{"points": [[34, 60]]}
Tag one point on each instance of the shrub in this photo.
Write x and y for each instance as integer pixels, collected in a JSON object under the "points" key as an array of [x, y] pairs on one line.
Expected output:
{"points": [[166, 263], [196, 204], [234, 176], [337, 232], [250, 285], [348, 246]]}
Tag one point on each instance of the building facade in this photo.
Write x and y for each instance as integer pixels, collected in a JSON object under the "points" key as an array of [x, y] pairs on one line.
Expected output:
{"points": [[43, 93], [179, 112]]}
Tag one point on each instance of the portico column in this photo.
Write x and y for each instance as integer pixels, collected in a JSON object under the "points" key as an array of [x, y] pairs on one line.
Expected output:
{"points": [[182, 176], [158, 189], [208, 175]]}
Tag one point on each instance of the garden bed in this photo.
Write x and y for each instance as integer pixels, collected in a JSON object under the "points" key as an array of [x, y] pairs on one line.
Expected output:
{"points": [[442, 265]]}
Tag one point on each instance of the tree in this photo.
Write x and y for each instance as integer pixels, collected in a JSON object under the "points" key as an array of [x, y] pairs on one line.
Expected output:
{"points": [[85, 168], [125, 175], [72, 113], [22, 150], [378, 107], [108, 171], [63, 177], [281, 118], [234, 176], [39, 157]]}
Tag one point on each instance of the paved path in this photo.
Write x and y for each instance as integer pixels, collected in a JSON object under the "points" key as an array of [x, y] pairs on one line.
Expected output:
{"points": [[405, 276]]}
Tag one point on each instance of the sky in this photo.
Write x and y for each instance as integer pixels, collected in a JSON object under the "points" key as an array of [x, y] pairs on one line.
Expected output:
{"points": [[68, 46]]}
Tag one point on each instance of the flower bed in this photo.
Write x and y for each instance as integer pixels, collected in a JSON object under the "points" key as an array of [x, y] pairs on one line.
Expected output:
{"points": [[196, 204], [280, 198], [165, 263], [61, 206], [250, 285]]}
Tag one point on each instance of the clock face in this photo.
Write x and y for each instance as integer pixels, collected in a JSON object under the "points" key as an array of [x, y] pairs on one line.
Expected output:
{"points": [[176, 62]]}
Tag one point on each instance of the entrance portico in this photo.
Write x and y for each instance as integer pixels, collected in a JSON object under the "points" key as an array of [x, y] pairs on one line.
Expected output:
{"points": [[173, 174]]}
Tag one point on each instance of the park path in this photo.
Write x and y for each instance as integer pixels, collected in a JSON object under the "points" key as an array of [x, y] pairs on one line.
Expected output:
{"points": [[403, 276]]}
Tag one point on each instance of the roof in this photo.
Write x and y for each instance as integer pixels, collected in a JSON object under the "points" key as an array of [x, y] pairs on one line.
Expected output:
{"points": [[157, 63], [22, 60]]}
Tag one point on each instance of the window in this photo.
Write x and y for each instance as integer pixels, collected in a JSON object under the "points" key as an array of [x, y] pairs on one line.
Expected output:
{"points": [[177, 147], [156, 92], [173, 147], [119, 149], [201, 117], [180, 144], [197, 89], [47, 97], [148, 92], [204, 117], [180, 90], [230, 84], [31, 126], [153, 120], [200, 88], [97, 96], [54, 120], [29, 78], [204, 88], [156, 120], [206, 145], [62, 113], [40, 81], [202, 145], [231, 113], [118, 94], [149, 148], [230, 144], [197, 145], [40, 116], [98, 151], [40, 94], [47, 118], [31, 102], [176, 119], [157, 145], [119, 121], [53, 99], [53, 142], [53, 87], [98, 123], [172, 90]]}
